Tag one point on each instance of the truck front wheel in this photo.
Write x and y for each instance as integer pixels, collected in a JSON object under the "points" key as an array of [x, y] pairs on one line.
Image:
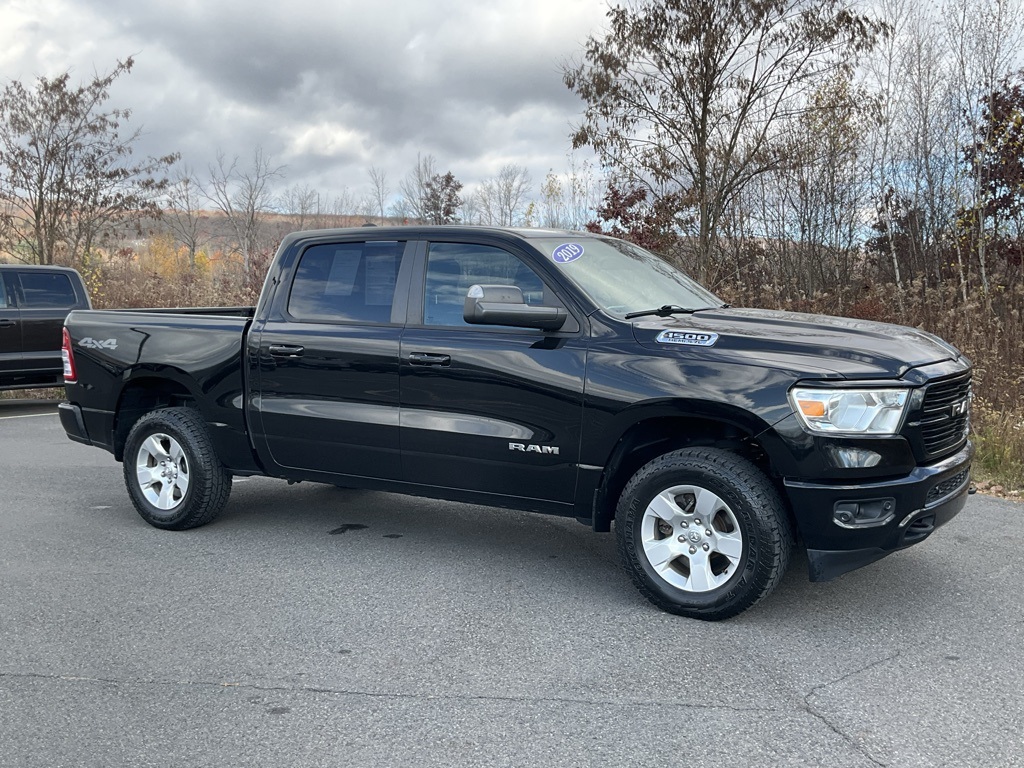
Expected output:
{"points": [[703, 533], [172, 472]]}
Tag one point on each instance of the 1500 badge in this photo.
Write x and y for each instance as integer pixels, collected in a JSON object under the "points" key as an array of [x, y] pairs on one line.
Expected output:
{"points": [[690, 338]]}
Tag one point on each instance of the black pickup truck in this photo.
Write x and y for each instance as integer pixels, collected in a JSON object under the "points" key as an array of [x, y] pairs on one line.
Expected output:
{"points": [[34, 300], [555, 372]]}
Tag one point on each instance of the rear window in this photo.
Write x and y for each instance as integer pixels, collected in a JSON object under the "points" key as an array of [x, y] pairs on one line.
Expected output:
{"points": [[47, 290], [346, 282]]}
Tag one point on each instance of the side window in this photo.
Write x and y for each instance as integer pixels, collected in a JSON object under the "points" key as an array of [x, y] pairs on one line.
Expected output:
{"points": [[453, 267], [47, 290], [346, 282], [3, 293]]}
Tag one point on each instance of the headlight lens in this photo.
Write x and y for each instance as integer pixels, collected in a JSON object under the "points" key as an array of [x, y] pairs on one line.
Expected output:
{"points": [[850, 411]]}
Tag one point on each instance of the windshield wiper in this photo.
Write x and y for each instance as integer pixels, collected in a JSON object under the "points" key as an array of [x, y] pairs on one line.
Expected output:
{"points": [[670, 309]]}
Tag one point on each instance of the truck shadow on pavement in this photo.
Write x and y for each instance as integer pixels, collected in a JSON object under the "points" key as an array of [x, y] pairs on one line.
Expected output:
{"points": [[505, 544]]}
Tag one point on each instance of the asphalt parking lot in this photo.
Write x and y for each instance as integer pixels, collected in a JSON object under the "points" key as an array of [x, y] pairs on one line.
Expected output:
{"points": [[312, 626]]}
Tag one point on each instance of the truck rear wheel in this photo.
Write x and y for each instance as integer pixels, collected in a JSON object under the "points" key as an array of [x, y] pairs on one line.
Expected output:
{"points": [[172, 472], [703, 533]]}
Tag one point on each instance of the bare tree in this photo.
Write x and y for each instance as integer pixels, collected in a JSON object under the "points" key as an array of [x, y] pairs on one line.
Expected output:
{"points": [[413, 188], [366, 208], [824, 187], [583, 192], [569, 199], [553, 205], [503, 198], [470, 211], [399, 209], [66, 173], [381, 191], [920, 207], [984, 36], [886, 70], [303, 203], [342, 206], [928, 118], [184, 212], [244, 196]]}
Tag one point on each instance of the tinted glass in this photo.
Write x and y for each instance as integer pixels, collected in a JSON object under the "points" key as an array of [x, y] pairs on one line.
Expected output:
{"points": [[453, 267], [622, 277], [3, 293], [346, 282], [47, 290]]}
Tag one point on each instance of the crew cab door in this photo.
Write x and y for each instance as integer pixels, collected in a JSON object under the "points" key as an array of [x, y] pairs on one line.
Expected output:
{"points": [[326, 380], [488, 409], [10, 329]]}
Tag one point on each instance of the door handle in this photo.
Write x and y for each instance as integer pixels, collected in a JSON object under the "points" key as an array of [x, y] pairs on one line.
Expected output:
{"points": [[428, 358], [286, 350], [5, 323]]}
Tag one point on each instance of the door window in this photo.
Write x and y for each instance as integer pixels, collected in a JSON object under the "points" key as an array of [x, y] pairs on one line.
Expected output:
{"points": [[3, 293], [346, 282], [453, 267], [47, 290]]}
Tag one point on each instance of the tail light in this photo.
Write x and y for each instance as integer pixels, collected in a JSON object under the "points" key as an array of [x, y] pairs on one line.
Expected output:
{"points": [[70, 374]]}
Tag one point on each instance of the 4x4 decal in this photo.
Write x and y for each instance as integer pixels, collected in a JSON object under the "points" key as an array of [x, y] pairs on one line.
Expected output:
{"points": [[90, 343]]}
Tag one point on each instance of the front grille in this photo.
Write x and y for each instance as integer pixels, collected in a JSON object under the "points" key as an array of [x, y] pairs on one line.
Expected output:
{"points": [[947, 486], [942, 430]]}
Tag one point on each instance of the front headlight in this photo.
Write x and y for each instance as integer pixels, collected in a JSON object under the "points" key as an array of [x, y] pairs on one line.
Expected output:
{"points": [[850, 411]]}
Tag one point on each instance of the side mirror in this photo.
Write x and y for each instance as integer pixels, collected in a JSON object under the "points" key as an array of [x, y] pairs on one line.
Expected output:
{"points": [[504, 305]]}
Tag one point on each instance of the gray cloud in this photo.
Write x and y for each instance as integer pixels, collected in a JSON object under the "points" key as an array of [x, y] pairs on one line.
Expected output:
{"points": [[327, 90]]}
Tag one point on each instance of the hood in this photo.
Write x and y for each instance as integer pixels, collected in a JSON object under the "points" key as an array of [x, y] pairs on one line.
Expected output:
{"points": [[847, 347]]}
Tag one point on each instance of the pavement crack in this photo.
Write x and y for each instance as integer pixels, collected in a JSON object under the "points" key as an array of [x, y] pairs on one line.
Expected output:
{"points": [[320, 690], [834, 727]]}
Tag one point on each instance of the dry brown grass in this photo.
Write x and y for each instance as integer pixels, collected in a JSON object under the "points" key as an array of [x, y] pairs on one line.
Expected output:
{"points": [[53, 393]]}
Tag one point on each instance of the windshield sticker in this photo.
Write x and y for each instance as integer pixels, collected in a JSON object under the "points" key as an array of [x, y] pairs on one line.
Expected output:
{"points": [[690, 338], [567, 252]]}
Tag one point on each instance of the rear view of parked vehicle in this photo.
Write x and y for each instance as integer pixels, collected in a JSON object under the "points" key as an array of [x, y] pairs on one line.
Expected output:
{"points": [[34, 301]]}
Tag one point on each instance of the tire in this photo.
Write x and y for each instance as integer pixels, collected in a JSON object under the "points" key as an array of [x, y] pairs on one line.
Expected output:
{"points": [[172, 472], [715, 568]]}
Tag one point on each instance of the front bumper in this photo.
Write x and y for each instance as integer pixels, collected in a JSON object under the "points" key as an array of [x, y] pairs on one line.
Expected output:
{"points": [[914, 506]]}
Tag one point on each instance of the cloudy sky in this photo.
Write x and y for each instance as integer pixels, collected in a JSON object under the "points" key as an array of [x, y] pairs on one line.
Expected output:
{"points": [[326, 89]]}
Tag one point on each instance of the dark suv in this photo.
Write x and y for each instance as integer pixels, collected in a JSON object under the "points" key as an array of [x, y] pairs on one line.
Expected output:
{"points": [[33, 304]]}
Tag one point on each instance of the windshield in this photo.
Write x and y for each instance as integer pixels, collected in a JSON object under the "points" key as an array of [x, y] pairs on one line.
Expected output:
{"points": [[621, 277]]}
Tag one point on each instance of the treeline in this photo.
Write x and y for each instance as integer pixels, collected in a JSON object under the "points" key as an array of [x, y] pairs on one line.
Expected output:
{"points": [[803, 143], [72, 192], [209, 237]]}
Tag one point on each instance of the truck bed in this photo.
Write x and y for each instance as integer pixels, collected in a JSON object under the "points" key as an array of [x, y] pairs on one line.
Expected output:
{"points": [[197, 354]]}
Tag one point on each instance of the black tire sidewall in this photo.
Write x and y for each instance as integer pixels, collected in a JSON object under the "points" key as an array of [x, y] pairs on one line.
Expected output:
{"points": [[747, 584], [164, 422]]}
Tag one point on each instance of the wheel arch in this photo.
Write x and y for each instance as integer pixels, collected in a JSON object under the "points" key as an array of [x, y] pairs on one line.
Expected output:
{"points": [[667, 427], [144, 392]]}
